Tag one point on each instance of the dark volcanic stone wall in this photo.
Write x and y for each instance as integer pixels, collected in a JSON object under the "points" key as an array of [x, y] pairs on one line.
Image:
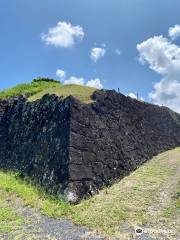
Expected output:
{"points": [[34, 140], [76, 149], [113, 136]]}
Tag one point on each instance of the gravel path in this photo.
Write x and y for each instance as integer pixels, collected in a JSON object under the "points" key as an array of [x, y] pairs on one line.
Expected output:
{"points": [[40, 227]]}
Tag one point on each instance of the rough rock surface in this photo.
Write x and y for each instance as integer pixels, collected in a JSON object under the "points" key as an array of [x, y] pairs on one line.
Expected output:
{"points": [[34, 139], [75, 149]]}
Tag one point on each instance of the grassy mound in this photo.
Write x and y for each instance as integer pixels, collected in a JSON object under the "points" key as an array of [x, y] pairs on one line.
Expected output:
{"points": [[149, 197], [29, 89], [82, 93], [39, 87]]}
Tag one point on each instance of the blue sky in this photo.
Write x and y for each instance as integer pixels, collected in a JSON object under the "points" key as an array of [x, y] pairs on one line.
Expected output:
{"points": [[110, 25]]}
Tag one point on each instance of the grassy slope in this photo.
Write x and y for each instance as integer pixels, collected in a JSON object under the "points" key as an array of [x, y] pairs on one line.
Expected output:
{"points": [[83, 93], [36, 89], [29, 89], [150, 196]]}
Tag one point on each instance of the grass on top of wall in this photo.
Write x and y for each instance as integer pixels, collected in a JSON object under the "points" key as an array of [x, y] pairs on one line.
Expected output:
{"points": [[29, 89], [39, 87], [80, 92]]}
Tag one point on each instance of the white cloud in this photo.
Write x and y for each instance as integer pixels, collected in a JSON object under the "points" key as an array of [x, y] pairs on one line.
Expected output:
{"points": [[63, 35], [174, 32], [61, 74], [163, 57], [74, 80], [118, 52], [132, 95], [96, 83], [97, 53], [167, 93]]}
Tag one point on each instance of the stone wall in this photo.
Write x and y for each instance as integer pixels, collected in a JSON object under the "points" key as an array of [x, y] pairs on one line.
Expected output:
{"points": [[76, 149], [35, 140], [113, 136]]}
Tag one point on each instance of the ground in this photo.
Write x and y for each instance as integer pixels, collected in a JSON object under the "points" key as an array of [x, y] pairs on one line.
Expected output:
{"points": [[82, 93], [148, 199], [39, 87], [23, 222], [30, 89]]}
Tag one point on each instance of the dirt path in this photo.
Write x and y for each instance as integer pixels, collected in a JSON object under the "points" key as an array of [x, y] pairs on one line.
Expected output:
{"points": [[37, 226], [146, 199]]}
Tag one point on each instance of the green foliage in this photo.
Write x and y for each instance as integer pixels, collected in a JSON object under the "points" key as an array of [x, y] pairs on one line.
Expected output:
{"points": [[29, 89], [44, 80]]}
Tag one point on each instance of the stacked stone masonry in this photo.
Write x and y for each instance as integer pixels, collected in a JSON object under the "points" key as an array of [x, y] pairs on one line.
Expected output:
{"points": [[74, 149]]}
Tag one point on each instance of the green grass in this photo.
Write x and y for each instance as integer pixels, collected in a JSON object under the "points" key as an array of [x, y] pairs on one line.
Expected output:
{"points": [[9, 219], [39, 87], [29, 89], [176, 197], [137, 199], [127, 202], [172, 207], [31, 195], [82, 93]]}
